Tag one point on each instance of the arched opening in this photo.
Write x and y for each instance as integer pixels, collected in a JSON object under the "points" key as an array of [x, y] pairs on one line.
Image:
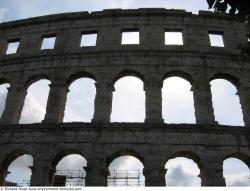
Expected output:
{"points": [[126, 170], [80, 101], [226, 103], [236, 172], [177, 101], [18, 171], [3, 95], [182, 171], [128, 100], [34, 108], [70, 171]]}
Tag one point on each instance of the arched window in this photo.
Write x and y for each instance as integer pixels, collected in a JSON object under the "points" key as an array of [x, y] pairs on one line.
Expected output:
{"points": [[80, 101], [128, 100], [3, 95], [182, 172], [226, 103], [70, 171], [126, 170], [236, 172], [35, 102], [177, 101], [19, 171]]}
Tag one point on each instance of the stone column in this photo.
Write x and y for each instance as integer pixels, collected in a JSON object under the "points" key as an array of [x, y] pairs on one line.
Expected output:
{"points": [[42, 173], [96, 173], [56, 102], [3, 46], [244, 95], [154, 172], [212, 173], [14, 104], [3, 173], [103, 102], [204, 112], [153, 103]]}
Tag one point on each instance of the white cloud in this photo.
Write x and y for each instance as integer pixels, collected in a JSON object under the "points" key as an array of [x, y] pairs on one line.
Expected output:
{"points": [[182, 172], [239, 180], [80, 101], [35, 103], [19, 170]]}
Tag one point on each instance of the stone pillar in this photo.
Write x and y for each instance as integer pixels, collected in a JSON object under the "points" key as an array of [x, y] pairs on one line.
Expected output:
{"points": [[204, 112], [30, 44], [153, 103], [42, 173], [96, 173], [212, 174], [3, 46], [3, 173], [56, 102], [14, 104], [154, 172], [244, 95], [152, 36], [103, 102]]}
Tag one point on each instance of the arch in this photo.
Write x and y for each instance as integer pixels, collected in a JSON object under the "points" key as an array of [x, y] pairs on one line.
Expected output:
{"points": [[126, 73], [33, 79], [177, 73], [73, 172], [236, 169], [12, 156], [123, 152], [177, 100], [125, 169], [243, 157], [225, 76], [128, 104], [80, 102], [59, 156], [185, 165], [189, 155], [226, 102], [35, 102], [78, 75]]}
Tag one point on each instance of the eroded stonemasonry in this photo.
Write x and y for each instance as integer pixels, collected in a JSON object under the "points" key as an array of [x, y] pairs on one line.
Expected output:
{"points": [[153, 142]]}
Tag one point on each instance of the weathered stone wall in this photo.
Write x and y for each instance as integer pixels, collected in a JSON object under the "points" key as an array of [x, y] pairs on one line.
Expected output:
{"points": [[153, 142]]}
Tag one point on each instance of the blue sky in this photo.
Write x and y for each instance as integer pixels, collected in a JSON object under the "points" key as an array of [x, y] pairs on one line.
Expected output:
{"points": [[80, 106]]}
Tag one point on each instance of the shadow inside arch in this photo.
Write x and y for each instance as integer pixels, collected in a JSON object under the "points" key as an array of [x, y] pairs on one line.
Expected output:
{"points": [[244, 158], [127, 73], [124, 152], [188, 155], [228, 77], [181, 74]]}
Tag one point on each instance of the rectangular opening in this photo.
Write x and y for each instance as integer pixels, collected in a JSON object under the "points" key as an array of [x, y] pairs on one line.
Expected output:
{"points": [[48, 42], [216, 39], [88, 39], [173, 37], [13, 46], [248, 38], [130, 36]]}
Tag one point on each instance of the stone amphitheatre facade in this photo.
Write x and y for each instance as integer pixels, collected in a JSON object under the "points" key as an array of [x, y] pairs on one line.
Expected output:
{"points": [[152, 142]]}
